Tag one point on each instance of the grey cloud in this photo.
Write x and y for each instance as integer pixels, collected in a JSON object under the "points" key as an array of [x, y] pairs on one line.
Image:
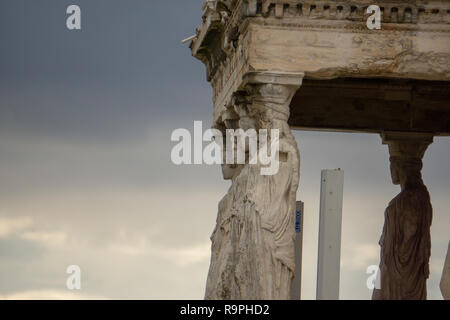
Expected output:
{"points": [[14, 248]]}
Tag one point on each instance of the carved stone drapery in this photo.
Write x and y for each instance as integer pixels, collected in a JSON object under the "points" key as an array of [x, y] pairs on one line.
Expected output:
{"points": [[406, 242], [253, 242]]}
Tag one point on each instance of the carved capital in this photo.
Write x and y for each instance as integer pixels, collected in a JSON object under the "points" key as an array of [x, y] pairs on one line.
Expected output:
{"points": [[406, 152], [272, 92], [406, 144], [263, 101]]}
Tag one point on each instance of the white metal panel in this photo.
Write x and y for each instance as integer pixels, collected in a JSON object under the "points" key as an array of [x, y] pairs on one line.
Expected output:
{"points": [[329, 256]]}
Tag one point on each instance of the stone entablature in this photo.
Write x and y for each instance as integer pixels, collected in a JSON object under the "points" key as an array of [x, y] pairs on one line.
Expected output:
{"points": [[321, 39], [226, 16]]}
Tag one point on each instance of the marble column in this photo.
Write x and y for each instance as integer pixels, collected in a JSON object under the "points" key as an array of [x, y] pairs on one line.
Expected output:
{"points": [[253, 242], [405, 242]]}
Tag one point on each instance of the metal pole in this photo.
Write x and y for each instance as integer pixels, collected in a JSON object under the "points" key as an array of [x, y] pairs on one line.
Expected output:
{"points": [[296, 289]]}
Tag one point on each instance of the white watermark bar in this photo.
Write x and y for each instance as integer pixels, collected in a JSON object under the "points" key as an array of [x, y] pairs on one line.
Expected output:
{"points": [[235, 147]]}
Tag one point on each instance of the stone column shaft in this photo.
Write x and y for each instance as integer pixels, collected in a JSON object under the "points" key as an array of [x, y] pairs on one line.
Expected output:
{"points": [[406, 242], [253, 242]]}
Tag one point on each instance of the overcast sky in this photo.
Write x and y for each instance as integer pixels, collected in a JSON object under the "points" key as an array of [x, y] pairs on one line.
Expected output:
{"points": [[85, 172]]}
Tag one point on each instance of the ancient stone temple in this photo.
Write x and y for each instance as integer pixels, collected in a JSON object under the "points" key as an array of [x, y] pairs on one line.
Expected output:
{"points": [[306, 64]]}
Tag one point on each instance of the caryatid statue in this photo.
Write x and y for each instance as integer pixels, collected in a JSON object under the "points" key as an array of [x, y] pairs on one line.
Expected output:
{"points": [[406, 242], [253, 242]]}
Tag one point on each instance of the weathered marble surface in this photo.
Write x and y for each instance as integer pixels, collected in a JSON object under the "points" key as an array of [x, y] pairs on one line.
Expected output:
{"points": [[253, 242], [256, 50], [406, 240]]}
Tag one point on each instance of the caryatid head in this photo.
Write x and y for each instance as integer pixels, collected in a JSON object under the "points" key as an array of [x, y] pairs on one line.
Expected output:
{"points": [[406, 152]]}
